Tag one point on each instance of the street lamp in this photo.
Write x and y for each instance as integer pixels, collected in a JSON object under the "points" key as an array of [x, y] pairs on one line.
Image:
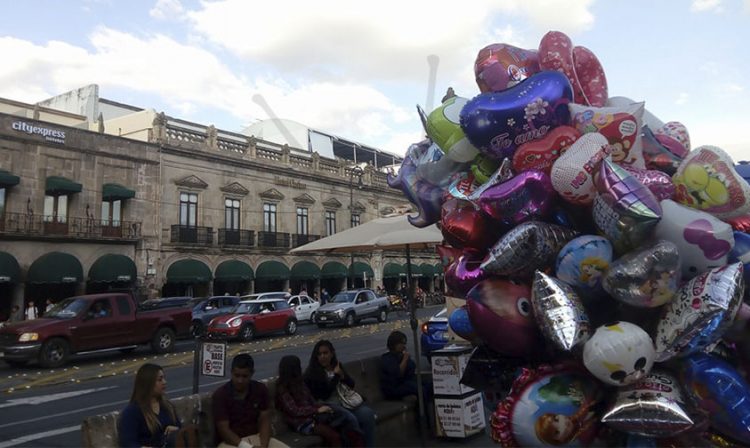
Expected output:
{"points": [[355, 171]]}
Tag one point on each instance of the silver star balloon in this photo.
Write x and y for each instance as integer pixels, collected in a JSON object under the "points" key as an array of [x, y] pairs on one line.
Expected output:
{"points": [[559, 313]]}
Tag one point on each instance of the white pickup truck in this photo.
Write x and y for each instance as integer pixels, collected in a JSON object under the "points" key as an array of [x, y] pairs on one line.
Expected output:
{"points": [[349, 307]]}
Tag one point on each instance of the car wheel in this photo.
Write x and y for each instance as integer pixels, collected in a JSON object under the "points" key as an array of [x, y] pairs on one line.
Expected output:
{"points": [[313, 317], [382, 316], [349, 320], [196, 329], [291, 327], [54, 353], [247, 333], [163, 341]]}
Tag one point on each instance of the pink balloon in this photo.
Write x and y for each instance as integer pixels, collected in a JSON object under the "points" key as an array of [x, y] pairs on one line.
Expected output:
{"points": [[527, 196]]}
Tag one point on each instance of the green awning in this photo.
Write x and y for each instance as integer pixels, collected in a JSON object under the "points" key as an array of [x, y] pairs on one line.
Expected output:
{"points": [[188, 271], [428, 270], [272, 270], [234, 271], [416, 270], [10, 272], [393, 270], [439, 271], [7, 179], [55, 267], [112, 268], [57, 185], [361, 269], [333, 269], [305, 270], [114, 192]]}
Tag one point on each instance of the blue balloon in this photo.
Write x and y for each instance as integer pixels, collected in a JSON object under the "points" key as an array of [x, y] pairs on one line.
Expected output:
{"points": [[741, 252], [717, 388], [460, 323], [497, 123]]}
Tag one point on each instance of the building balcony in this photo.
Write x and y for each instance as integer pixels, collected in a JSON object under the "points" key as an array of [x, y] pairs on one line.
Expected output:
{"points": [[236, 238], [201, 236], [300, 239], [273, 239], [25, 225]]}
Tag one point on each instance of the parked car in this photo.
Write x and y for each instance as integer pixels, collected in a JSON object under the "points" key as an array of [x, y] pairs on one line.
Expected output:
{"points": [[305, 307], [434, 333], [207, 308], [165, 302], [254, 317], [93, 322], [349, 307], [267, 295]]}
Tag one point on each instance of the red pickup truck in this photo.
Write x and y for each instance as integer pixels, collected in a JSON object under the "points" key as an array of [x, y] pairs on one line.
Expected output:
{"points": [[91, 323]]}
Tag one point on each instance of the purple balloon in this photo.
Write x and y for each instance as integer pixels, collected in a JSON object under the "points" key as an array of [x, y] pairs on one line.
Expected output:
{"points": [[528, 195], [497, 123], [427, 197], [464, 274]]}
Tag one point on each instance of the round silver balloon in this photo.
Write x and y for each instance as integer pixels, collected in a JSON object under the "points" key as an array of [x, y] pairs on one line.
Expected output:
{"points": [[645, 278], [525, 248], [701, 311], [653, 407], [559, 313]]}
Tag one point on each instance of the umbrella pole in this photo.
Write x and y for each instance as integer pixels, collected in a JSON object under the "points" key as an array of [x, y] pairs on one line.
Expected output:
{"points": [[415, 337]]}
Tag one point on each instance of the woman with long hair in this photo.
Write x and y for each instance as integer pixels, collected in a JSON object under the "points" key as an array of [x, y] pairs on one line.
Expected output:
{"points": [[323, 374], [149, 419], [304, 415]]}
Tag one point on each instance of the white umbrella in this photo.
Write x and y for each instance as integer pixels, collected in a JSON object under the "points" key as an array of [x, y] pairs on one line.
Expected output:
{"points": [[392, 233]]}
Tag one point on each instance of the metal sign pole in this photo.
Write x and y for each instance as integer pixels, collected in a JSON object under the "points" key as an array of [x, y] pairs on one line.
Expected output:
{"points": [[197, 363]]}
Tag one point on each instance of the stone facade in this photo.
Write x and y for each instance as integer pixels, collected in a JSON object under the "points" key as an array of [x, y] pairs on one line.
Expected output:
{"points": [[175, 158]]}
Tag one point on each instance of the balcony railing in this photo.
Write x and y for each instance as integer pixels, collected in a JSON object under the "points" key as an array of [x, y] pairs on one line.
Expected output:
{"points": [[300, 239], [240, 238], [24, 224], [203, 236], [273, 239]]}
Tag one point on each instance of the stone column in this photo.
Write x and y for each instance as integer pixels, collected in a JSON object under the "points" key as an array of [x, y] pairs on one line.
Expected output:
{"points": [[212, 138], [285, 154]]}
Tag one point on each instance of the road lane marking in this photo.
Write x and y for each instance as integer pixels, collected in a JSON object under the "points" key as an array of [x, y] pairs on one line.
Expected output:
{"points": [[52, 397], [41, 435]]}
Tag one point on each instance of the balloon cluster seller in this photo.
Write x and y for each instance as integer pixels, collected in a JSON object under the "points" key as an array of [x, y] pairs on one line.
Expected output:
{"points": [[603, 259]]}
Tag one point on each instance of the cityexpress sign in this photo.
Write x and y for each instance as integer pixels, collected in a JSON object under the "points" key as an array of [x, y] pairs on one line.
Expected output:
{"points": [[51, 135]]}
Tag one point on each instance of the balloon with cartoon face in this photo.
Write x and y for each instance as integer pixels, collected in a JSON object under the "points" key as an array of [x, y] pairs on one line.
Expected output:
{"points": [[619, 353], [583, 262], [442, 126], [704, 242], [700, 313], [500, 312]]}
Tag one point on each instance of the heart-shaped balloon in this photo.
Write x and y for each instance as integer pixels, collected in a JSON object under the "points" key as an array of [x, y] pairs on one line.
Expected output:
{"points": [[528, 195], [541, 154], [498, 123], [583, 261], [573, 173], [526, 248], [703, 241], [559, 313], [646, 278], [674, 136], [706, 180], [578, 64], [500, 312], [442, 127], [620, 126], [700, 313], [624, 210], [657, 181], [500, 66], [656, 155], [465, 226], [461, 325]]}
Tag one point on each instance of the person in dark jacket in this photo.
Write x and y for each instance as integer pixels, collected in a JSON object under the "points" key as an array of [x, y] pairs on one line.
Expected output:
{"points": [[398, 377], [323, 374], [149, 419], [306, 416]]}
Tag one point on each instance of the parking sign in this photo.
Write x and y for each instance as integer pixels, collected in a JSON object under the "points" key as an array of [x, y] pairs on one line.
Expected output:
{"points": [[213, 359]]}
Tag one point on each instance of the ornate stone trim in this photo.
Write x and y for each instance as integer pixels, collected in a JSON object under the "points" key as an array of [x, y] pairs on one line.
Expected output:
{"points": [[235, 188], [304, 199], [191, 181], [272, 194], [358, 207], [332, 203]]}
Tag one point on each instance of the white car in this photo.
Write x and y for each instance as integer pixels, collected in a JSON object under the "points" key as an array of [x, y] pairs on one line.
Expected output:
{"points": [[304, 307]]}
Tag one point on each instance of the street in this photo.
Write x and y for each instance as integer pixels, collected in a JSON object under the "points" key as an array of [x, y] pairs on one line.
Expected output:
{"points": [[44, 408]]}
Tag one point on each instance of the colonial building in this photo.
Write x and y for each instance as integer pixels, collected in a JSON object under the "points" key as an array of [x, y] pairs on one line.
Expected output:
{"points": [[97, 195]]}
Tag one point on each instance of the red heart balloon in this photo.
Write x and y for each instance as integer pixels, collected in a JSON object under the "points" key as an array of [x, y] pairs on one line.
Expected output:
{"points": [[465, 226], [541, 154]]}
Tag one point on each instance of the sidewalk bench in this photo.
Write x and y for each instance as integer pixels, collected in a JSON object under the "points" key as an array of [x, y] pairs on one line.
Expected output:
{"points": [[395, 420]]}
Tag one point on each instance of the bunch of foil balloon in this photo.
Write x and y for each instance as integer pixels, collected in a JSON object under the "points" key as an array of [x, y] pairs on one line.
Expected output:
{"points": [[602, 260]]}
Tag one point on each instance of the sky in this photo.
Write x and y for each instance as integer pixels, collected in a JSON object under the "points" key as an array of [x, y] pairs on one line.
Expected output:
{"points": [[358, 69]]}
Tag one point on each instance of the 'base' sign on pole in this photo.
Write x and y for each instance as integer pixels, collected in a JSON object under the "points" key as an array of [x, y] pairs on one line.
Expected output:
{"points": [[213, 359]]}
